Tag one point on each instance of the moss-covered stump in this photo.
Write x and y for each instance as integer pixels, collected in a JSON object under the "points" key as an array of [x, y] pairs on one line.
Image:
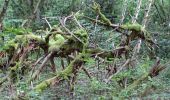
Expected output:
{"points": [[72, 68]]}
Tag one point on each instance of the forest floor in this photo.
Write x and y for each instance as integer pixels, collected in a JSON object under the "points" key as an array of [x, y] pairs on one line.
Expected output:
{"points": [[91, 89]]}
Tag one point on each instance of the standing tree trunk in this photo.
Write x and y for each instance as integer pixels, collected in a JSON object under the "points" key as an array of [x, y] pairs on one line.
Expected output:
{"points": [[4, 9], [144, 23], [137, 11]]}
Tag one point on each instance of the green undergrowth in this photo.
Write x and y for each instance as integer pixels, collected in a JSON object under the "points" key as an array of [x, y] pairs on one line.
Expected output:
{"points": [[96, 88]]}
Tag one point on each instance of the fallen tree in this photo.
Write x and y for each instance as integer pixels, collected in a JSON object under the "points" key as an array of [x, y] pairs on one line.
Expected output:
{"points": [[72, 45]]}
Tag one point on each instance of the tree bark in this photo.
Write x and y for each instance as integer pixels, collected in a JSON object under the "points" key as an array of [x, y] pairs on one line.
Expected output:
{"points": [[147, 13], [123, 11]]}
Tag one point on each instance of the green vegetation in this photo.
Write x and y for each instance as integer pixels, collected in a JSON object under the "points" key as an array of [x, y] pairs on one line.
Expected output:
{"points": [[84, 49]]}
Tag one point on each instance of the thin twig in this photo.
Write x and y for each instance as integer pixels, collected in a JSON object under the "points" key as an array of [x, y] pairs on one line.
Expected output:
{"points": [[77, 20], [67, 30], [47, 23], [121, 68]]}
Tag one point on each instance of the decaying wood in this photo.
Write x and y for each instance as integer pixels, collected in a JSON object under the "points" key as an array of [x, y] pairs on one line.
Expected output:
{"points": [[119, 70], [72, 43], [156, 68], [154, 71], [72, 68], [35, 75]]}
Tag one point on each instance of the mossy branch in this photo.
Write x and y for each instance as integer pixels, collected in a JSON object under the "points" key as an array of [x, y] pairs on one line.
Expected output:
{"points": [[96, 8], [63, 75]]}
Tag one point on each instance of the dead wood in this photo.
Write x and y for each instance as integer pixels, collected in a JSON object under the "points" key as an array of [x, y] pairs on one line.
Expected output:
{"points": [[35, 75]]}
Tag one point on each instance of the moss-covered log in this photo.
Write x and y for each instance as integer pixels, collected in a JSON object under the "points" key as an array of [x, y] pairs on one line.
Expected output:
{"points": [[31, 39], [108, 54], [137, 31], [74, 66]]}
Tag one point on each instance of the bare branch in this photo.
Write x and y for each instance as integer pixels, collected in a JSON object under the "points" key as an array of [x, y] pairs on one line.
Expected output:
{"points": [[120, 69], [137, 11], [48, 23], [62, 22], [147, 13]]}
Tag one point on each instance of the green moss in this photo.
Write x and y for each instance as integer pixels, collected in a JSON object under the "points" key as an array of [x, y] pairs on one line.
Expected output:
{"points": [[56, 28], [61, 75], [135, 26], [65, 73], [24, 39], [40, 87], [55, 42], [96, 7], [82, 34], [10, 46], [139, 31], [14, 73], [59, 41]]}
